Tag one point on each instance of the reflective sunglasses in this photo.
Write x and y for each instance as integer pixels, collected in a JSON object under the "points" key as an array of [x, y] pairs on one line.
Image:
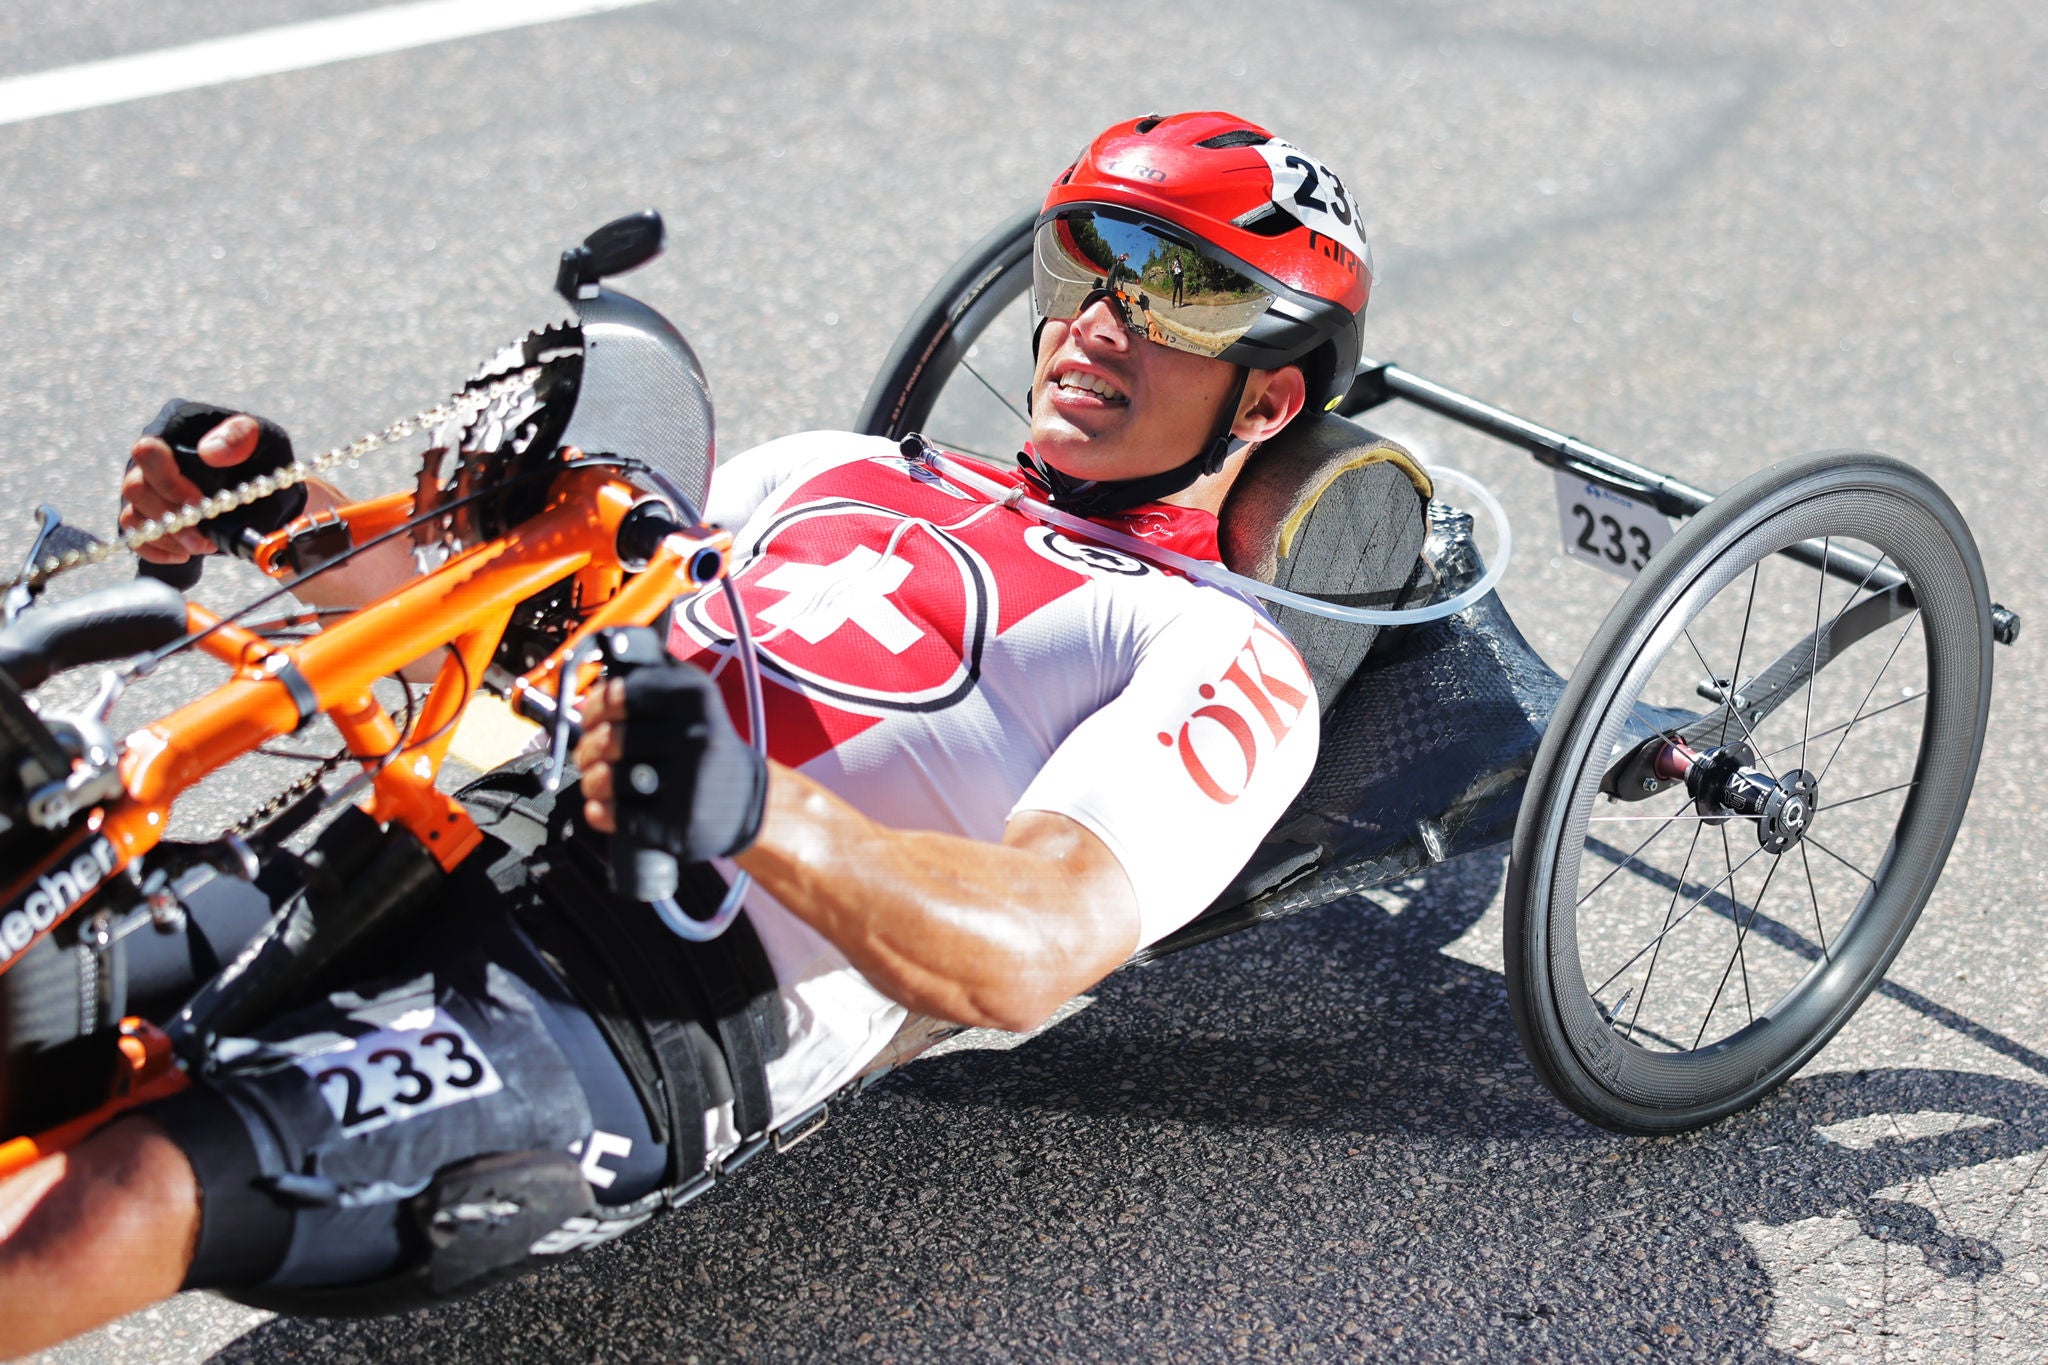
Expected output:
{"points": [[1166, 287]]}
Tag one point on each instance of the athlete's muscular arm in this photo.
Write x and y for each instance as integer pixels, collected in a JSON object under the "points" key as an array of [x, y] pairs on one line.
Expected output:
{"points": [[997, 935], [994, 935]]}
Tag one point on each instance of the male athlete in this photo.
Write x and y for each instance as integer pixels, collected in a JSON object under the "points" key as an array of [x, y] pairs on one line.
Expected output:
{"points": [[1003, 759]]}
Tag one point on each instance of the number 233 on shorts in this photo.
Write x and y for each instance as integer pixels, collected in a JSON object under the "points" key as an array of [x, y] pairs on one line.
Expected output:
{"points": [[422, 1061]]}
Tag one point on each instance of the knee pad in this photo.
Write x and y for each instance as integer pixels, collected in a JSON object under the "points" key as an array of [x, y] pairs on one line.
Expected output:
{"points": [[479, 1223]]}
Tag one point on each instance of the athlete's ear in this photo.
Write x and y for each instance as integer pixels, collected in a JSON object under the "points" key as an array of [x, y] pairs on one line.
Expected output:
{"points": [[1271, 400]]}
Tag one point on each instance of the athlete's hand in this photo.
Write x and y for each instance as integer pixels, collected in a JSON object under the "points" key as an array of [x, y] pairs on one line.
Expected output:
{"points": [[153, 487], [662, 763]]}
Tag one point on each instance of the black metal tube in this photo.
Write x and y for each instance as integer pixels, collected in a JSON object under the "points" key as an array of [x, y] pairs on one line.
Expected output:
{"points": [[1379, 381], [1673, 497]]}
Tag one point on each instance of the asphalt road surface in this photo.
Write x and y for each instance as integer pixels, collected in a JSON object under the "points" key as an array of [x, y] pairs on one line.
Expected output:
{"points": [[1705, 236]]}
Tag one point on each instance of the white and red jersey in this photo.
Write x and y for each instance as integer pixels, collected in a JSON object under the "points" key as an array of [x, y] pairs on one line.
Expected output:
{"points": [[942, 662]]}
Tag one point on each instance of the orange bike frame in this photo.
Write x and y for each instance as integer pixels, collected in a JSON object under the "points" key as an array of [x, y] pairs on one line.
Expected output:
{"points": [[461, 608]]}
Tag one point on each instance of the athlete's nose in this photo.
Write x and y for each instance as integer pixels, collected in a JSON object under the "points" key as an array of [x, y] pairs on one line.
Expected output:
{"points": [[1106, 318]]}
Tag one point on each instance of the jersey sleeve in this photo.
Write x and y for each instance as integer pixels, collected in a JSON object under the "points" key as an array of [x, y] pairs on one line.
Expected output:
{"points": [[1184, 771]]}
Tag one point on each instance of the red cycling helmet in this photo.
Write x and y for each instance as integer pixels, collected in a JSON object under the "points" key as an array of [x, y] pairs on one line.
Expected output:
{"points": [[1207, 234], [1218, 187]]}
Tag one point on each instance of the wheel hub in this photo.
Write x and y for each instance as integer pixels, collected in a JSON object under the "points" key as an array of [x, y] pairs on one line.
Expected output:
{"points": [[1727, 782]]}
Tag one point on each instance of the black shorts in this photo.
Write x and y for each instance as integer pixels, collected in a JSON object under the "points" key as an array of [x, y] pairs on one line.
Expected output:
{"points": [[312, 1136], [529, 1015]]}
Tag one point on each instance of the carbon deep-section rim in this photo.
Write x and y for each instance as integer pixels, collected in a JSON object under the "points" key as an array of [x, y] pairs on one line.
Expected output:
{"points": [[934, 354], [1884, 700]]}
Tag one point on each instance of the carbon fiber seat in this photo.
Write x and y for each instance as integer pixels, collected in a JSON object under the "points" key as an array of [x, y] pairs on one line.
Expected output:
{"points": [[1331, 509]]}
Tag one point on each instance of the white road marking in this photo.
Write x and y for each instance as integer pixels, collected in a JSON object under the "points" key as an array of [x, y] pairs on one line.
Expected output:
{"points": [[266, 52]]}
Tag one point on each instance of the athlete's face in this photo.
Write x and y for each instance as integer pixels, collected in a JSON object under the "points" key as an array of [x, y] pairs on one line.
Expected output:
{"points": [[1109, 405]]}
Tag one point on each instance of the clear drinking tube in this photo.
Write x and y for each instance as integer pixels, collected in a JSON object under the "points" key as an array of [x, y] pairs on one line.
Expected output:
{"points": [[1207, 571]]}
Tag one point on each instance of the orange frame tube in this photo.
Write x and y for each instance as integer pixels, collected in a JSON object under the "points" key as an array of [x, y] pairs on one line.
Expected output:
{"points": [[463, 607]]}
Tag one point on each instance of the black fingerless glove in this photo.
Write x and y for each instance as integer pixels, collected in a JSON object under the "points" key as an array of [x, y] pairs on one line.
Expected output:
{"points": [[687, 783], [182, 423]]}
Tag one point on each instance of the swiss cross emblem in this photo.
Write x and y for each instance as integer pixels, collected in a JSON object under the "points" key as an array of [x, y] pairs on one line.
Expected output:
{"points": [[823, 599], [848, 601]]}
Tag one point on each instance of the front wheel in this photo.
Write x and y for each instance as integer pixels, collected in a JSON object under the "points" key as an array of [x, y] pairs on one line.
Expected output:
{"points": [[1747, 793]]}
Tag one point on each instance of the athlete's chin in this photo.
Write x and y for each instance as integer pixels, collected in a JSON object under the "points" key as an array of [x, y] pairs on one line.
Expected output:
{"points": [[1073, 455], [1055, 440]]}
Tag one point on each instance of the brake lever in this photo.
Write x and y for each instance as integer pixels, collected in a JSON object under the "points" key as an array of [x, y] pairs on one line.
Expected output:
{"points": [[21, 596], [53, 539], [97, 774]]}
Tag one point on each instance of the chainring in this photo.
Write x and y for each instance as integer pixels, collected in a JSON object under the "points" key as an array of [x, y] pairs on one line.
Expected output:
{"points": [[517, 436]]}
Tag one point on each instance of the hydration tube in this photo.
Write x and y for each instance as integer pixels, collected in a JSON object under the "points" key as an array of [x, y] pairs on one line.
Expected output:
{"points": [[1215, 574], [679, 921]]}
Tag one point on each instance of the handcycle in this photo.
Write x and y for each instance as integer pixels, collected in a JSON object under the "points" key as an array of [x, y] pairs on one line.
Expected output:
{"points": [[579, 457]]}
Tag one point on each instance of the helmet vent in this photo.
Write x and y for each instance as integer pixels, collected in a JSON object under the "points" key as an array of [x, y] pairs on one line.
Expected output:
{"points": [[1148, 123], [1236, 137], [1268, 220]]}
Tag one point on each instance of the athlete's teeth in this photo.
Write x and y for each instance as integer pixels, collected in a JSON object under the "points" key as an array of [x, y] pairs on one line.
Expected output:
{"points": [[1090, 384]]}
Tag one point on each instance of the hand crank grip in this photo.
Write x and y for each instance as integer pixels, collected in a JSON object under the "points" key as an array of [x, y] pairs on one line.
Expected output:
{"points": [[181, 424], [637, 871]]}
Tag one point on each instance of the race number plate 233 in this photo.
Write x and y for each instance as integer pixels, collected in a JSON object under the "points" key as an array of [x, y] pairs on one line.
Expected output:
{"points": [[1604, 527], [422, 1062]]}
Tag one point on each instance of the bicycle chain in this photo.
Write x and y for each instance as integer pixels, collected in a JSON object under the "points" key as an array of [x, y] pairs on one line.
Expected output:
{"points": [[277, 804], [457, 412]]}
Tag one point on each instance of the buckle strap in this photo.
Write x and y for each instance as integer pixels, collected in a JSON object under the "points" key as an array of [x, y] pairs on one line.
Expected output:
{"points": [[711, 1010], [666, 1050]]}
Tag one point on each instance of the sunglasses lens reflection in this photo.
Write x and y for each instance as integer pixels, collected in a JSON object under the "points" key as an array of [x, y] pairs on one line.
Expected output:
{"points": [[1170, 290]]}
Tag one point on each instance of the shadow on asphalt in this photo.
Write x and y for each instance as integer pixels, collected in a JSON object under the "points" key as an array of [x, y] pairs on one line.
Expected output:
{"points": [[1320, 1135]]}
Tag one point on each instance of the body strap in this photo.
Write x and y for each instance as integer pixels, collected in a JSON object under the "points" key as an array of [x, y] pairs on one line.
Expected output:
{"points": [[694, 1024]]}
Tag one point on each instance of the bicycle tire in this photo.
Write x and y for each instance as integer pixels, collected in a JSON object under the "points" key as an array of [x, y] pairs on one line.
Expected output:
{"points": [[930, 350], [1597, 1057]]}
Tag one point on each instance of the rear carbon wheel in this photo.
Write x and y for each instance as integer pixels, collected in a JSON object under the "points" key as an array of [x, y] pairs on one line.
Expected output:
{"points": [[960, 370], [1747, 794]]}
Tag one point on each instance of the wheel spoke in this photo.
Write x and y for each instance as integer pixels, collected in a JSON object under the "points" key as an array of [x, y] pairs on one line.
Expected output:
{"points": [[1733, 703], [1840, 859], [1741, 932], [1704, 895], [1677, 890], [1015, 411], [1727, 697], [1911, 618], [1819, 930], [1629, 859], [1696, 817], [1882, 791], [1730, 703], [1820, 588], [1745, 687], [1735, 921], [1873, 715], [1749, 1004]]}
